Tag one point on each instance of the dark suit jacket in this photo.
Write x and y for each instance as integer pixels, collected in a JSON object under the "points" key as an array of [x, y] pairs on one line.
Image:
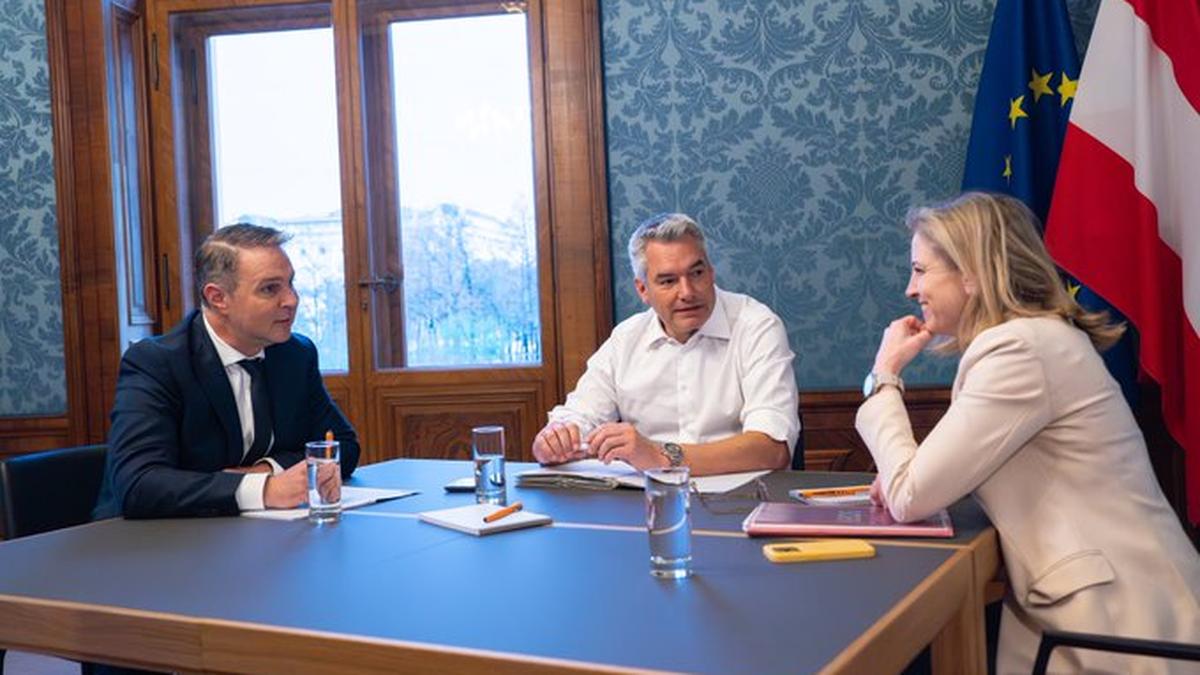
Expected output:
{"points": [[175, 424]]}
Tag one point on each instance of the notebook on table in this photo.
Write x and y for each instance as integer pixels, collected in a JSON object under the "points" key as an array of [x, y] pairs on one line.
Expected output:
{"points": [[469, 519], [789, 520], [352, 497]]}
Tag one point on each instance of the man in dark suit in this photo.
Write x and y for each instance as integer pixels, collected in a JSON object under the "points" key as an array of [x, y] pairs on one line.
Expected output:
{"points": [[211, 418]]}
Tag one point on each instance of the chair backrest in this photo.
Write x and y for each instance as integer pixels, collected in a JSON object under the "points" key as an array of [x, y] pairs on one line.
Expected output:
{"points": [[798, 451], [48, 490]]}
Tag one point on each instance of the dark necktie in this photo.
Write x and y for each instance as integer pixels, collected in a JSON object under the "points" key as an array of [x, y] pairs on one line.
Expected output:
{"points": [[261, 403]]}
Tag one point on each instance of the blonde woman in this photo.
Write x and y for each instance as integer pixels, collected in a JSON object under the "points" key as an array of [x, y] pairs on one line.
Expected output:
{"points": [[1038, 431]]}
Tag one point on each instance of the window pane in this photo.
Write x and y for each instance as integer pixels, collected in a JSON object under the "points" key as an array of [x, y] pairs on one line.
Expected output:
{"points": [[275, 162], [465, 180]]}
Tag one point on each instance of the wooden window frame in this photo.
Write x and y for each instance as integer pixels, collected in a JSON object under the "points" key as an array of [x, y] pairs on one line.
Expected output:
{"points": [[383, 207]]}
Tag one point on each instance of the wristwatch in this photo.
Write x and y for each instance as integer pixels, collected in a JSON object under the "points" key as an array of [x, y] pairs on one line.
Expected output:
{"points": [[876, 381], [673, 453]]}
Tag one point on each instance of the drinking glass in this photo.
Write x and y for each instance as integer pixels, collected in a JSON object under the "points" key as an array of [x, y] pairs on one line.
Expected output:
{"points": [[668, 522], [318, 454], [487, 449]]}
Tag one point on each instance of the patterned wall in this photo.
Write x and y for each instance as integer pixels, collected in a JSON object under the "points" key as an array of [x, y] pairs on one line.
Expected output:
{"points": [[32, 375], [798, 133]]}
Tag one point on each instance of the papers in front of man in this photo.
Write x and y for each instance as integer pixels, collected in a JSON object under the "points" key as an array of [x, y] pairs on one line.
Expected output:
{"points": [[789, 520], [589, 474], [352, 497], [470, 519], [592, 474]]}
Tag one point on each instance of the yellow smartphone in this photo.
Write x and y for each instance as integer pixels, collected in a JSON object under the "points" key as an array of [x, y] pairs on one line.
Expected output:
{"points": [[817, 549]]}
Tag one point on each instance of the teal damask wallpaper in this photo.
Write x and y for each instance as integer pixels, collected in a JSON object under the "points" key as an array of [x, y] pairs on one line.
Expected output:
{"points": [[32, 375], [797, 133]]}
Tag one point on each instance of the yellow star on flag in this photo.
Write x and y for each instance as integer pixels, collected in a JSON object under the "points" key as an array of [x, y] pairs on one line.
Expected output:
{"points": [[1014, 110], [1067, 89], [1073, 289], [1040, 84], [1007, 173]]}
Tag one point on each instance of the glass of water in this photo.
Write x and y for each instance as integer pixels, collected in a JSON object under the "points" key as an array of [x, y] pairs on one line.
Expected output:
{"points": [[319, 454], [487, 449], [669, 522]]}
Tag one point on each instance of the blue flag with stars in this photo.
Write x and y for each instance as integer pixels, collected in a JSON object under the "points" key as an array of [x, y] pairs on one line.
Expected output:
{"points": [[1030, 73], [1023, 104]]}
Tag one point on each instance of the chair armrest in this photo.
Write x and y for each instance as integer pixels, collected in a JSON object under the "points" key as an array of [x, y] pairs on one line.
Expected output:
{"points": [[1111, 643]]}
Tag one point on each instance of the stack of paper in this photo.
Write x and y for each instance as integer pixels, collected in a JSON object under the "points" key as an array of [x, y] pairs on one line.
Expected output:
{"points": [[596, 475], [585, 473]]}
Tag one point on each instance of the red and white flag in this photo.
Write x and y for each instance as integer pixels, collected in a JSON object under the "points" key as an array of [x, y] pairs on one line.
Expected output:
{"points": [[1125, 218]]}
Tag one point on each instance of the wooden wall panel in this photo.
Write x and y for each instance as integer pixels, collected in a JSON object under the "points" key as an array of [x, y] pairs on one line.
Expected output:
{"points": [[576, 148], [26, 434], [339, 390], [420, 422], [830, 441]]}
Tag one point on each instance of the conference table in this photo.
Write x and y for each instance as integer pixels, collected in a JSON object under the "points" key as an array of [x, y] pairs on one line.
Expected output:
{"points": [[381, 591]]}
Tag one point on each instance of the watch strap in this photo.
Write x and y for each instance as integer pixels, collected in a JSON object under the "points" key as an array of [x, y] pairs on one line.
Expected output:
{"points": [[877, 381], [673, 452]]}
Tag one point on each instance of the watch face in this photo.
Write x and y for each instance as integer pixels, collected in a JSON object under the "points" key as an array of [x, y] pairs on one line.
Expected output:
{"points": [[869, 385]]}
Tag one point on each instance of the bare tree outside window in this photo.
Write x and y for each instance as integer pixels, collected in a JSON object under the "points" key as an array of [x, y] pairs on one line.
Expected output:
{"points": [[463, 125]]}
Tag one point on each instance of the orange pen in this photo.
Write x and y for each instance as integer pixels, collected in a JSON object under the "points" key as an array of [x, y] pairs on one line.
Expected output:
{"points": [[506, 511]]}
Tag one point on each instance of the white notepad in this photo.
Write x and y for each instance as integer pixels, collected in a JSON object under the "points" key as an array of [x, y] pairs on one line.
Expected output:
{"points": [[352, 497], [469, 519]]}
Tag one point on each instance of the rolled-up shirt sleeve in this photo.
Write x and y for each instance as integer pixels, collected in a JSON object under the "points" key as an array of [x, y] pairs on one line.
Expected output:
{"points": [[768, 382]]}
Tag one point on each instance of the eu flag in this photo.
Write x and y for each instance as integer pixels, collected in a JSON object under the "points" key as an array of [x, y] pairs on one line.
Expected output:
{"points": [[1026, 88]]}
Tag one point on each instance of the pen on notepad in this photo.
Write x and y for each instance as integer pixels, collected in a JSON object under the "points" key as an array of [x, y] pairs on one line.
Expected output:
{"points": [[834, 491], [506, 511]]}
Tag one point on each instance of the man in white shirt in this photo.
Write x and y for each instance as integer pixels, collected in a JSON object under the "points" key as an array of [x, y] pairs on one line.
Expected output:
{"points": [[702, 379], [211, 418]]}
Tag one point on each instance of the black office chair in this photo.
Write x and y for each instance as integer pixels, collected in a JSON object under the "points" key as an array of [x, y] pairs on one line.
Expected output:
{"points": [[45, 491], [798, 451], [32, 494], [1110, 643]]}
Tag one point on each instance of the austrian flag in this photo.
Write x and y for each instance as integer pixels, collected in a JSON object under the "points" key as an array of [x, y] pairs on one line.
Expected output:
{"points": [[1125, 216]]}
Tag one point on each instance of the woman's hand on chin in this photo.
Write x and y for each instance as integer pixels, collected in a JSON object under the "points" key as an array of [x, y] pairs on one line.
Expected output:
{"points": [[902, 341]]}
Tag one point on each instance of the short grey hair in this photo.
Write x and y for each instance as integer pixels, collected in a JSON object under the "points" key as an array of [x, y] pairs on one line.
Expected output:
{"points": [[216, 258], [663, 227]]}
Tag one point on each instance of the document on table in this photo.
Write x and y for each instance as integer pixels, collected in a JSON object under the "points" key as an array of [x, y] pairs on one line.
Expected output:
{"points": [[594, 474], [352, 497], [470, 519]]}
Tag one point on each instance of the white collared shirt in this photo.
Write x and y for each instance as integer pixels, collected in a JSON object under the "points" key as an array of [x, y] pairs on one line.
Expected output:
{"points": [[733, 375], [250, 490]]}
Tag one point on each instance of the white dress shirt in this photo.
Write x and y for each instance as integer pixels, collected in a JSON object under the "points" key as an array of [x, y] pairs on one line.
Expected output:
{"points": [[733, 375], [250, 490]]}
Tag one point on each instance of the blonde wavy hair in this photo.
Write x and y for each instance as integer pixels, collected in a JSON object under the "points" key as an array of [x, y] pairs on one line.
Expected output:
{"points": [[994, 241]]}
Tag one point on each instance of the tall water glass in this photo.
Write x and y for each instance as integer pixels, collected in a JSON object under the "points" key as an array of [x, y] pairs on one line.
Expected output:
{"points": [[669, 522], [487, 449], [325, 508]]}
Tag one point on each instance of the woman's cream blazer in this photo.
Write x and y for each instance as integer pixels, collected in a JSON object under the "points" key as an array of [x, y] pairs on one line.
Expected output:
{"points": [[1038, 431]]}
